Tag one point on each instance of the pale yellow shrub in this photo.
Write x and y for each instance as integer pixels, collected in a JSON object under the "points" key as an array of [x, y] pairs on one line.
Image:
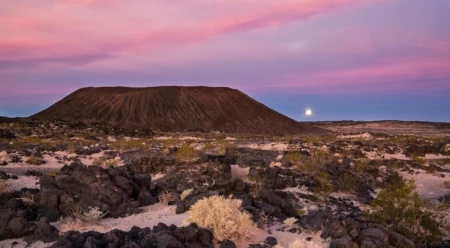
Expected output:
{"points": [[223, 216], [290, 221]]}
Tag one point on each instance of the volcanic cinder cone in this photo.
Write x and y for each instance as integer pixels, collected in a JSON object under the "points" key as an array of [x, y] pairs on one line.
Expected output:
{"points": [[173, 109]]}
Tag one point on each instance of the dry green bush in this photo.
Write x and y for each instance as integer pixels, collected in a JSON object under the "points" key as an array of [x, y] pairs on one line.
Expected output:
{"points": [[325, 187], [125, 145], [346, 182], [446, 184], [34, 160], [166, 197], [3, 186], [224, 217], [292, 157], [186, 153], [399, 207]]}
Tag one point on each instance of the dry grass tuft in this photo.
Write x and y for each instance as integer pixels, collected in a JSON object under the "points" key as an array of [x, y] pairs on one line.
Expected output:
{"points": [[224, 217], [3, 186], [166, 197], [447, 184], [78, 218], [35, 160], [290, 221]]}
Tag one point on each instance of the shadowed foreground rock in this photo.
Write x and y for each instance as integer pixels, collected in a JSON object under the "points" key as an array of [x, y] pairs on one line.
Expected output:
{"points": [[78, 187], [161, 236]]}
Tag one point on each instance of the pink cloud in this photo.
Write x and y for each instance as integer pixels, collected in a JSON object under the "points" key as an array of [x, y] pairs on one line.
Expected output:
{"points": [[106, 39]]}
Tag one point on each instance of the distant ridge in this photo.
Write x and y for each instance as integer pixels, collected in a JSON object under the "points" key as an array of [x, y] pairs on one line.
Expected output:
{"points": [[174, 109]]}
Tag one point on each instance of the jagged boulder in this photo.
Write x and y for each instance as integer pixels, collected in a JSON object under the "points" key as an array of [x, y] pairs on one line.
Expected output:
{"points": [[79, 187]]}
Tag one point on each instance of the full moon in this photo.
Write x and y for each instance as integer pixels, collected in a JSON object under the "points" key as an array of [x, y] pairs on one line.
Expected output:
{"points": [[308, 112]]}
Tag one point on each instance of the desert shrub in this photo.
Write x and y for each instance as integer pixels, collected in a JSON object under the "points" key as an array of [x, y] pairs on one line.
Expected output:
{"points": [[446, 184], [77, 217], [290, 221], [34, 160], [131, 144], [186, 153], [400, 208], [346, 182], [361, 166], [52, 173], [325, 185], [100, 161], [111, 163], [166, 197], [185, 193], [315, 162], [223, 216], [292, 157], [418, 160], [3, 186]]}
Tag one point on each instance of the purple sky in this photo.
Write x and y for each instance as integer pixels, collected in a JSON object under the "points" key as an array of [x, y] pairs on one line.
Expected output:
{"points": [[344, 59]]}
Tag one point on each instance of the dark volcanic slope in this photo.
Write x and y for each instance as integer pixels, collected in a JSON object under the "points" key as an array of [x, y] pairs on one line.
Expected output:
{"points": [[173, 109]]}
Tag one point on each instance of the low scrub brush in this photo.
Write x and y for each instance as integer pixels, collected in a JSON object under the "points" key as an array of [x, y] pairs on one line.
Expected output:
{"points": [[224, 217]]}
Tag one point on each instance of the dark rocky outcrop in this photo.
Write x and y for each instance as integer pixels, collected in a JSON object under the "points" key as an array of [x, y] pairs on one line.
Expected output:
{"points": [[114, 191], [161, 236], [20, 219]]}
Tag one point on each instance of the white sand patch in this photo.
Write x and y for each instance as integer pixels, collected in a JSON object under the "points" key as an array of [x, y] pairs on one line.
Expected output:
{"points": [[366, 136], [163, 138], [51, 163], [111, 139], [238, 172], [191, 138], [230, 138], [23, 182], [20, 243], [436, 156], [151, 216], [428, 185], [280, 157], [272, 146]]}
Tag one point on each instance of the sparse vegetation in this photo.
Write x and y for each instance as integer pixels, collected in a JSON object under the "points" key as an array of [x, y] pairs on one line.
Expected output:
{"points": [[290, 221], [223, 216], [34, 160], [132, 144], [167, 197], [3, 186], [446, 184], [186, 153], [346, 182], [78, 217], [399, 207]]}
